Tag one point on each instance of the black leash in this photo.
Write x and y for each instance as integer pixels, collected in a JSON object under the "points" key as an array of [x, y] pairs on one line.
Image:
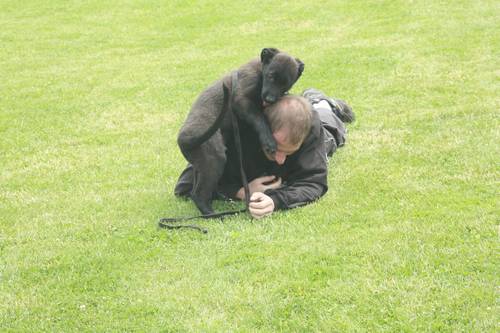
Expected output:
{"points": [[237, 142], [171, 222]]}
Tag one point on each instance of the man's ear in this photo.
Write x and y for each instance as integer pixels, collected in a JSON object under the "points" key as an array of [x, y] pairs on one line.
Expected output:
{"points": [[301, 67], [267, 54]]}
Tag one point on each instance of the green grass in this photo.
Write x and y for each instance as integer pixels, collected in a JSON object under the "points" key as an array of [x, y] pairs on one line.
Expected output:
{"points": [[92, 95]]}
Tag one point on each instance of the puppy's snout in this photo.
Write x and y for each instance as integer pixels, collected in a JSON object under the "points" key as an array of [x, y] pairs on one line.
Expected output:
{"points": [[270, 99]]}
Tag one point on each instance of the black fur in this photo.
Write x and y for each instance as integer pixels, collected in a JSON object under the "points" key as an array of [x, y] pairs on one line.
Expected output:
{"points": [[201, 139]]}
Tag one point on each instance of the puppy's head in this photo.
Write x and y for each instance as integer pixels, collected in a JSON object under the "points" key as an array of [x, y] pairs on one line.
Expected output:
{"points": [[279, 72]]}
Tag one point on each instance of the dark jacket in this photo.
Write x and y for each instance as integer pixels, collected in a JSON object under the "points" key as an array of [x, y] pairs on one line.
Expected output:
{"points": [[304, 173]]}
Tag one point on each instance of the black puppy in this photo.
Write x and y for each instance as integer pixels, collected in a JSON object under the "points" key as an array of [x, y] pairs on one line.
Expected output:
{"points": [[208, 125]]}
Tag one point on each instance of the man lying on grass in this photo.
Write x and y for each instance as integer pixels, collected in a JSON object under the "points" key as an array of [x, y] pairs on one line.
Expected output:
{"points": [[307, 129]]}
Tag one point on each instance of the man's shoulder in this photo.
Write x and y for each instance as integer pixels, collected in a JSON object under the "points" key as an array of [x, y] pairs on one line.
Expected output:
{"points": [[316, 132], [315, 138]]}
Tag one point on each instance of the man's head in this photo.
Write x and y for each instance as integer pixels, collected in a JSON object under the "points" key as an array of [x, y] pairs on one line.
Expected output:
{"points": [[290, 119]]}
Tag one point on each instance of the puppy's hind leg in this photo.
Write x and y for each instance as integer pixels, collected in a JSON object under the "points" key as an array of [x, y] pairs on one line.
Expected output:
{"points": [[208, 161]]}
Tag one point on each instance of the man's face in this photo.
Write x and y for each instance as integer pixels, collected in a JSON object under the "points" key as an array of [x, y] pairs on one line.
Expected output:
{"points": [[284, 148]]}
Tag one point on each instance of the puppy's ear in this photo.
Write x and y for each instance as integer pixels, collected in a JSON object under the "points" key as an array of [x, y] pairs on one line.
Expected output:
{"points": [[267, 54], [301, 67]]}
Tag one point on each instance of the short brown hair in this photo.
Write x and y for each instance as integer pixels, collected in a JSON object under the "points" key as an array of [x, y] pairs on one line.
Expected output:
{"points": [[293, 113]]}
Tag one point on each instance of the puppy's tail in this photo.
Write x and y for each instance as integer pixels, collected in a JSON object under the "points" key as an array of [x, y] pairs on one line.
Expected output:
{"points": [[188, 142]]}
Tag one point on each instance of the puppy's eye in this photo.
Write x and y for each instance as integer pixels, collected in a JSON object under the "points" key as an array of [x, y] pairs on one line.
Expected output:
{"points": [[279, 80]]}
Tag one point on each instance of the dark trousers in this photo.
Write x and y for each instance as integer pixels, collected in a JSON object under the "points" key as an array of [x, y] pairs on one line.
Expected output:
{"points": [[335, 130]]}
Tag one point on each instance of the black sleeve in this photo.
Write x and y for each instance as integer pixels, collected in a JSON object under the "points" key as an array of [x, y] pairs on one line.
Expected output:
{"points": [[229, 190], [307, 174]]}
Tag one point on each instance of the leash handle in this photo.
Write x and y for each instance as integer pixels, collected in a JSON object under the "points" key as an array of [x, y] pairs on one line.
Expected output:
{"points": [[207, 216], [161, 224], [171, 222]]}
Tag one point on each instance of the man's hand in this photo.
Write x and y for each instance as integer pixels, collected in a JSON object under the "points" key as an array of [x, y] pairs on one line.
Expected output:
{"points": [[264, 183], [260, 205], [260, 184]]}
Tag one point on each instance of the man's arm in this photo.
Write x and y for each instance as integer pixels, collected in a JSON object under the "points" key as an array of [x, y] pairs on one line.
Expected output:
{"points": [[306, 183], [307, 174]]}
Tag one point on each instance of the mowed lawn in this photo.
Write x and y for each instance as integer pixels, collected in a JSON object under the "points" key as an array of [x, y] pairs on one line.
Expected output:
{"points": [[92, 95]]}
